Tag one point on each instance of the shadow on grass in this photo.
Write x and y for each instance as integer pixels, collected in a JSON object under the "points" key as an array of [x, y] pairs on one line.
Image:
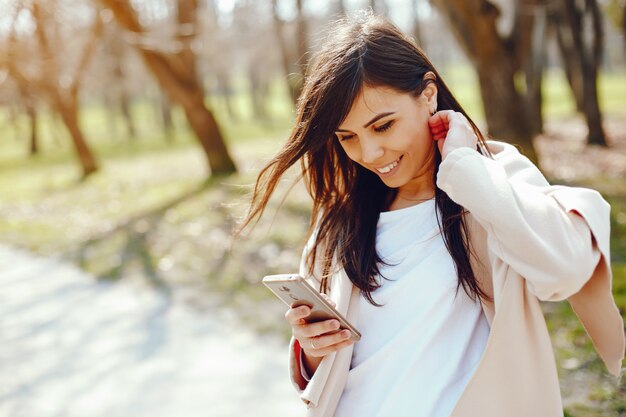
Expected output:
{"points": [[129, 243]]}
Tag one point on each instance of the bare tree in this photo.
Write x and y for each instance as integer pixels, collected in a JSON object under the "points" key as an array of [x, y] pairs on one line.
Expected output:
{"points": [[498, 59], [294, 57], [256, 54], [582, 56], [19, 98], [29, 101], [165, 111], [177, 75], [116, 51], [50, 79]]}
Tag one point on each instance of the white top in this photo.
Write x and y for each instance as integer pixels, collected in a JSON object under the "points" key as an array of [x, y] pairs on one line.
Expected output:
{"points": [[420, 349]]}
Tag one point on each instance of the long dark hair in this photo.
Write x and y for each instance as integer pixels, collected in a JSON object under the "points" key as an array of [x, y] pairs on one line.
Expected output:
{"points": [[347, 198]]}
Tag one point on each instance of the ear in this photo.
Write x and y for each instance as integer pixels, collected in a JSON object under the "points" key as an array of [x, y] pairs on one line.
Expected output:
{"points": [[430, 92]]}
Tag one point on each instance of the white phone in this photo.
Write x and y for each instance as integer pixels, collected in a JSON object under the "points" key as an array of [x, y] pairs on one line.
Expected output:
{"points": [[295, 291]]}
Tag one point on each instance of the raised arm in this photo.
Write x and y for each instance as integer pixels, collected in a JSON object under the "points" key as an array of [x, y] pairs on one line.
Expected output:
{"points": [[553, 236]]}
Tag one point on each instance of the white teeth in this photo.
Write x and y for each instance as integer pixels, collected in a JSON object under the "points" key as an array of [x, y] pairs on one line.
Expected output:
{"points": [[389, 167]]}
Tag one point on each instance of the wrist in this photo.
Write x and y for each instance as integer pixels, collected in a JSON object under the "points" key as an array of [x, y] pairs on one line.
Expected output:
{"points": [[309, 363]]}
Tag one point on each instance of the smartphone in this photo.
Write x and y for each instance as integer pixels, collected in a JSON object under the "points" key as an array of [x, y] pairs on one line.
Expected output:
{"points": [[295, 291]]}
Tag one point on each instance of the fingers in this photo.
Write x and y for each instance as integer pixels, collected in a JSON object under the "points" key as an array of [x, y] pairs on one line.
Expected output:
{"points": [[315, 329], [458, 120], [323, 345], [296, 316], [451, 130], [439, 123], [460, 132], [320, 338]]}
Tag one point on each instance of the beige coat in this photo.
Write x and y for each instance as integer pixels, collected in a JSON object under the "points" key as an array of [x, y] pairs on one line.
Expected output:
{"points": [[534, 242]]}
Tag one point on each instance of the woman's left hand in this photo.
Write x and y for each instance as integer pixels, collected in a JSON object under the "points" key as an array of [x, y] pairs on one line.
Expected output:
{"points": [[451, 130]]}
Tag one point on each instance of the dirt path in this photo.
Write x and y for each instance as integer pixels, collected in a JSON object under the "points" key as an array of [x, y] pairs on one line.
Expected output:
{"points": [[72, 346]]}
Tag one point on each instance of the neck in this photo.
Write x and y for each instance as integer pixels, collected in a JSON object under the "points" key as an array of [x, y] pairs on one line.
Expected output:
{"points": [[403, 201], [416, 191]]}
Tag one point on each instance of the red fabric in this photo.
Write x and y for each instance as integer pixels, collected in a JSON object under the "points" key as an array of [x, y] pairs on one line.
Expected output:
{"points": [[297, 348]]}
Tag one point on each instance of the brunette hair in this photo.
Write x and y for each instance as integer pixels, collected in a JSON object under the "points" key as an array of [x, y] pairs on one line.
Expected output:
{"points": [[347, 199]]}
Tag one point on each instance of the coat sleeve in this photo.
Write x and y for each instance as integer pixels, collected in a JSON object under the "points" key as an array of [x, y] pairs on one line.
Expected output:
{"points": [[295, 370], [549, 243]]}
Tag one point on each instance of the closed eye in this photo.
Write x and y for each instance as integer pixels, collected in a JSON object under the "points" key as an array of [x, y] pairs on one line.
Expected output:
{"points": [[384, 127], [344, 137]]}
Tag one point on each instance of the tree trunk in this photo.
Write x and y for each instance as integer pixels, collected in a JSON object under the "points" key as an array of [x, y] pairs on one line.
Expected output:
{"points": [[225, 91], [258, 91], [165, 110], [294, 83], [69, 114], [204, 124], [124, 103], [64, 101], [591, 109], [178, 78], [34, 142], [534, 63], [582, 59], [570, 55], [507, 117], [111, 115], [192, 101], [473, 23], [591, 63], [303, 42], [624, 26]]}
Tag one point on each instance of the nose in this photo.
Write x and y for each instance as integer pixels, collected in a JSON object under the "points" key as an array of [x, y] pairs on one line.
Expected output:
{"points": [[371, 151]]}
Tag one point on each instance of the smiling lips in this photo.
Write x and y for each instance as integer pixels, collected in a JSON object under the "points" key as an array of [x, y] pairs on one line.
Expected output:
{"points": [[386, 169]]}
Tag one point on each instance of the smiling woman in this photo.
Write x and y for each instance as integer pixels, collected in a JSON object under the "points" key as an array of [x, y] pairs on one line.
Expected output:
{"points": [[411, 205]]}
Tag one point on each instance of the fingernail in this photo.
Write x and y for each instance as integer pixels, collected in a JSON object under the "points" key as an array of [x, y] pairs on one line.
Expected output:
{"points": [[305, 310]]}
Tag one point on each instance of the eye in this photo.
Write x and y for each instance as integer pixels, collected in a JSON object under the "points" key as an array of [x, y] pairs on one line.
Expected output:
{"points": [[384, 127], [342, 137]]}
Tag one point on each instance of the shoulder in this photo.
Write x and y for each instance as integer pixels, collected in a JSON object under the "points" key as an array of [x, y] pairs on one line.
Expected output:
{"points": [[503, 151], [516, 165]]}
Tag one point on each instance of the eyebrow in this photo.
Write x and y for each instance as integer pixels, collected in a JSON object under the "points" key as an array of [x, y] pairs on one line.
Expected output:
{"points": [[374, 119]]}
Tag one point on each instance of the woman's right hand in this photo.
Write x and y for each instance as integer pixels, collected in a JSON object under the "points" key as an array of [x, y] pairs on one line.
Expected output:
{"points": [[320, 338]]}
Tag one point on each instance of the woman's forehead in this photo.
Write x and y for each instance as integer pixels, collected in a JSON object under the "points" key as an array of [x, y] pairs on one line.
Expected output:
{"points": [[372, 101]]}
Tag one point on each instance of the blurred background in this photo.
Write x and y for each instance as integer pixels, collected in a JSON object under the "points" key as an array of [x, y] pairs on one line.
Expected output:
{"points": [[131, 132]]}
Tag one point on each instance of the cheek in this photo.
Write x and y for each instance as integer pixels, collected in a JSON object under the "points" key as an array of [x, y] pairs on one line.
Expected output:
{"points": [[351, 152], [417, 139]]}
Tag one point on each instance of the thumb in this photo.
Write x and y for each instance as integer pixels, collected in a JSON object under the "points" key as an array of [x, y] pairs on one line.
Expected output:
{"points": [[440, 143]]}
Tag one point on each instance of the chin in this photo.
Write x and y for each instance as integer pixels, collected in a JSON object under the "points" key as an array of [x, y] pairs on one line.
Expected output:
{"points": [[393, 182]]}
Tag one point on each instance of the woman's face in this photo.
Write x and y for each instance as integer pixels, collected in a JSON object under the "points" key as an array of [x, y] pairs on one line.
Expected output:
{"points": [[387, 132]]}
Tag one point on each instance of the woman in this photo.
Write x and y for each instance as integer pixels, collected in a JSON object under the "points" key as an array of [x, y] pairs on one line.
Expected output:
{"points": [[436, 244]]}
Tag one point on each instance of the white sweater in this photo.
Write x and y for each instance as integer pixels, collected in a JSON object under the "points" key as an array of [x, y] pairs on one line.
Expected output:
{"points": [[420, 349]]}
